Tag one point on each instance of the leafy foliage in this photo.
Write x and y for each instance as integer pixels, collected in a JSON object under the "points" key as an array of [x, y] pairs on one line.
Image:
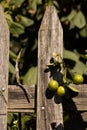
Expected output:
{"points": [[27, 121]]}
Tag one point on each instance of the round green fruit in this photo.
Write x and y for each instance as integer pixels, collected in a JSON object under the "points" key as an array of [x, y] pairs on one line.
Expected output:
{"points": [[53, 85], [61, 91], [78, 79]]}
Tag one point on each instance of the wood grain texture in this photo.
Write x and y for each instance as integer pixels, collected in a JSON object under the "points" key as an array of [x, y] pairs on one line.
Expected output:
{"points": [[4, 58], [79, 101], [17, 100], [50, 39]]}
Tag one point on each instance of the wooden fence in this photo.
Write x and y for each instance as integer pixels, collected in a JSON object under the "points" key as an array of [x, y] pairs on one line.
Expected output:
{"points": [[49, 110]]}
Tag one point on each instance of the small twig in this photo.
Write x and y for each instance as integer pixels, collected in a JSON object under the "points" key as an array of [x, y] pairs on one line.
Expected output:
{"points": [[17, 66], [18, 77]]}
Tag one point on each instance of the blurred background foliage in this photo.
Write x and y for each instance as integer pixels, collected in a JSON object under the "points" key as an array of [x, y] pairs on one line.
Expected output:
{"points": [[24, 19]]}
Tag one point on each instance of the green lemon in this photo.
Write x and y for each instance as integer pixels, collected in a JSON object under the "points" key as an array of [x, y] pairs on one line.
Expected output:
{"points": [[78, 79], [53, 85], [61, 91]]}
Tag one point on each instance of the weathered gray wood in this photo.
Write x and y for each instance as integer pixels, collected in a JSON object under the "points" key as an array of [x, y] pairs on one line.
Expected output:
{"points": [[50, 39], [17, 101], [4, 58], [79, 101]]}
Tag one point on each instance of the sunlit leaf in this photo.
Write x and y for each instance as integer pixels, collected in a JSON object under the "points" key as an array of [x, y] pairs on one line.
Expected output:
{"points": [[71, 87], [79, 20], [70, 55], [39, 1], [8, 17], [80, 67], [24, 20], [15, 28], [83, 32], [84, 56], [4, 4], [33, 5], [12, 55], [70, 16]]}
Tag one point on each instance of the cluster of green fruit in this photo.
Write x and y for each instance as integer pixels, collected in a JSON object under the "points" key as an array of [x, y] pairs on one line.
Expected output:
{"points": [[61, 90], [54, 85]]}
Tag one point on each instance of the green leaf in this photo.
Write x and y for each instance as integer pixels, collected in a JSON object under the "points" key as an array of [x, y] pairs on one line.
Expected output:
{"points": [[79, 20], [24, 20], [73, 88], [10, 118], [56, 4], [15, 28], [70, 55], [69, 17], [25, 119], [30, 78], [16, 2], [33, 5], [12, 55], [39, 14], [35, 45], [84, 56], [11, 68], [8, 17], [50, 64], [80, 67], [83, 32], [39, 1], [4, 4]]}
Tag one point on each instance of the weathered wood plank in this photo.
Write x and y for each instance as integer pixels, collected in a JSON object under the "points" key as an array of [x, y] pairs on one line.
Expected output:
{"points": [[17, 101], [4, 58], [50, 39], [81, 99]]}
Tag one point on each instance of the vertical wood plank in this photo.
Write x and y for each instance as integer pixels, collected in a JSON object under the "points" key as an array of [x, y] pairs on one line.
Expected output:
{"points": [[4, 58], [50, 39]]}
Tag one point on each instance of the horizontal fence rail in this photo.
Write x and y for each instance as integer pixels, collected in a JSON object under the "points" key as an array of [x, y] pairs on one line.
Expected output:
{"points": [[17, 101]]}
